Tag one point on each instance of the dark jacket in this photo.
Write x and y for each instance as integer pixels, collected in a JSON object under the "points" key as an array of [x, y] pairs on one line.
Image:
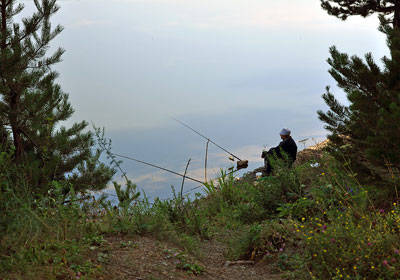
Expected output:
{"points": [[288, 146]]}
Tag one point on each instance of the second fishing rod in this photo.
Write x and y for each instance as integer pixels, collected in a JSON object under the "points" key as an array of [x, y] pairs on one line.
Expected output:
{"points": [[241, 164]]}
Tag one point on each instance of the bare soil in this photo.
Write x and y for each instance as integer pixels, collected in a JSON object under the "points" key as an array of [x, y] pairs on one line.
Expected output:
{"points": [[146, 258]]}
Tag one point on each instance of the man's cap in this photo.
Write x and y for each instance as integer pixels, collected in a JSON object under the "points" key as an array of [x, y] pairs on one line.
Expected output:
{"points": [[285, 131]]}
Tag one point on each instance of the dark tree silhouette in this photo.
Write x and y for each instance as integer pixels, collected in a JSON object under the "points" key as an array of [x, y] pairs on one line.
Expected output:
{"points": [[368, 130], [32, 105], [345, 8]]}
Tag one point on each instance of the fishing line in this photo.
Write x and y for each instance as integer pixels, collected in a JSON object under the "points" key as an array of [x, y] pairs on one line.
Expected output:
{"points": [[185, 192]]}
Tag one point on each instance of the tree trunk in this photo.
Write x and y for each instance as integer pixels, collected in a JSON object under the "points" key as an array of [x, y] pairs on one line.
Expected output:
{"points": [[3, 24], [13, 113], [19, 150], [396, 16]]}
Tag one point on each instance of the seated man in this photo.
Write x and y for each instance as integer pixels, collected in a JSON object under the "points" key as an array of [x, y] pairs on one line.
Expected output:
{"points": [[287, 145]]}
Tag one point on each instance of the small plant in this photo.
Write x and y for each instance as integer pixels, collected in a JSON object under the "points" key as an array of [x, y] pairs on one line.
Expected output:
{"points": [[210, 188], [127, 244], [302, 207], [182, 261], [94, 240], [190, 268], [103, 257], [126, 196]]}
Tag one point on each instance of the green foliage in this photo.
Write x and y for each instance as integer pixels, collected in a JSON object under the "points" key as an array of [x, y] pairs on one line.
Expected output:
{"points": [[331, 187], [260, 201], [288, 177], [300, 208], [244, 201], [191, 268], [44, 236]]}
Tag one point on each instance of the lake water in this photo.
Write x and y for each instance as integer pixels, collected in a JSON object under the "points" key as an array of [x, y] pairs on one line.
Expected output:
{"points": [[244, 134]]}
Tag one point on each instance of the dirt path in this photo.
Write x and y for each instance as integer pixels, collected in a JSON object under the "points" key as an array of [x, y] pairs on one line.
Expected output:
{"points": [[145, 258], [216, 268]]}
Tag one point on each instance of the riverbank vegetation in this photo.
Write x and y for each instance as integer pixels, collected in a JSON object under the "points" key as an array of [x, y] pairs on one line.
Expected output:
{"points": [[314, 221]]}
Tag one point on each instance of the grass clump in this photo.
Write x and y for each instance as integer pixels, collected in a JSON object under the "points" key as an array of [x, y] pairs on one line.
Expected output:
{"points": [[44, 238]]}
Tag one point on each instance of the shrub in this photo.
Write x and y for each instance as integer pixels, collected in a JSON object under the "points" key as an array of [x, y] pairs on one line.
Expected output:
{"points": [[275, 241], [43, 236], [350, 246]]}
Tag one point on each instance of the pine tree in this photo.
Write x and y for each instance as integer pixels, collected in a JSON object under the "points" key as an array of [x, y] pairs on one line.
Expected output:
{"points": [[32, 105], [369, 128], [345, 8]]}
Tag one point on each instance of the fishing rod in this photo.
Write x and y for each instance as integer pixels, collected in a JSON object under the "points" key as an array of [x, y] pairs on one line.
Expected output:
{"points": [[240, 164], [182, 123], [173, 172], [159, 167]]}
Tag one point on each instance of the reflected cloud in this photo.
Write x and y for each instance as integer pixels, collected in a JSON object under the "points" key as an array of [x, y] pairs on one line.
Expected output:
{"points": [[155, 177], [225, 14], [90, 22]]}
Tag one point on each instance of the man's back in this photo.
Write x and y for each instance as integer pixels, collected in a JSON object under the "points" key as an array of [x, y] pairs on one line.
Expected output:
{"points": [[289, 146]]}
